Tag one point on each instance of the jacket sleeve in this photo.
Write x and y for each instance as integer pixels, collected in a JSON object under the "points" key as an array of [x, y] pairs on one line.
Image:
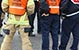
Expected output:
{"points": [[63, 5], [30, 7], [4, 5]]}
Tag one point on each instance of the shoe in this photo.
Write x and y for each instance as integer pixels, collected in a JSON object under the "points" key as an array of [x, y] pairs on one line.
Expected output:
{"points": [[39, 32], [1, 35], [31, 35]]}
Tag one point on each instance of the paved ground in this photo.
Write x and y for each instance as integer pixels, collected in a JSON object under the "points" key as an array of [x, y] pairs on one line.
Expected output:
{"points": [[36, 42]]}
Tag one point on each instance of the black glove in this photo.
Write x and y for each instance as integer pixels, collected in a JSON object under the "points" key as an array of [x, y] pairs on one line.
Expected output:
{"points": [[63, 16], [44, 8]]}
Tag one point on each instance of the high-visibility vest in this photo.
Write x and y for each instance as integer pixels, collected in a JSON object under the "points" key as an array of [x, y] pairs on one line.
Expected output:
{"points": [[21, 21], [17, 7], [53, 6]]}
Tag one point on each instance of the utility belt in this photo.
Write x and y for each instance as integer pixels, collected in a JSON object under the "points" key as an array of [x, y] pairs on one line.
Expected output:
{"points": [[7, 31]]}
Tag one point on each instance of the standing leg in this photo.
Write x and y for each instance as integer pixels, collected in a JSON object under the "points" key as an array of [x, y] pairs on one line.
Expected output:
{"points": [[38, 16], [55, 29], [0, 21], [6, 44], [67, 25], [1, 24], [26, 44], [31, 20], [45, 29], [75, 33]]}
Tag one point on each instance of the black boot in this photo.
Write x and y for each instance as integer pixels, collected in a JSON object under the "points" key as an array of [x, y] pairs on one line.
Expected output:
{"points": [[1, 35], [31, 35]]}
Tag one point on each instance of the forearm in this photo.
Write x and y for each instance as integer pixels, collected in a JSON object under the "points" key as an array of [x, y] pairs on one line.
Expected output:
{"points": [[4, 5]]}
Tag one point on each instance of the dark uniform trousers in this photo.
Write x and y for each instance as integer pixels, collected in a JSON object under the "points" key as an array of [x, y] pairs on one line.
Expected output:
{"points": [[49, 24], [69, 25]]}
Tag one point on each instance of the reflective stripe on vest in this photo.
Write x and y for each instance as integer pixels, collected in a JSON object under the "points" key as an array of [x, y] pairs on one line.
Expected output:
{"points": [[17, 7], [54, 6], [22, 20]]}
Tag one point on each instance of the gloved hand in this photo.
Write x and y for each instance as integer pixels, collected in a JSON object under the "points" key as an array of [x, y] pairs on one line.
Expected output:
{"points": [[30, 7], [5, 7], [44, 14], [63, 16]]}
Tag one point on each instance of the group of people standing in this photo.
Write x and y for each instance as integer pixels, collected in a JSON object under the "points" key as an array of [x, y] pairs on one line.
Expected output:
{"points": [[21, 14]]}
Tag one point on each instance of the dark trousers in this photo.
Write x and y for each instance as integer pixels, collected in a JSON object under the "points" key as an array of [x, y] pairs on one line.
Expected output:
{"points": [[69, 25], [32, 17], [49, 24], [1, 20]]}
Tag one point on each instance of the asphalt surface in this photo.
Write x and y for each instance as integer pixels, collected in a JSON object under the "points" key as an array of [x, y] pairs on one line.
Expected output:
{"points": [[36, 42]]}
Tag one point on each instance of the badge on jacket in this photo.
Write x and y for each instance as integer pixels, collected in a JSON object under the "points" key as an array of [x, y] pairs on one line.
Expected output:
{"points": [[75, 1]]}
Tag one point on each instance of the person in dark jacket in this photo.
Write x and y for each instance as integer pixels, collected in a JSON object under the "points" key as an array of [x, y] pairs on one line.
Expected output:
{"points": [[70, 23]]}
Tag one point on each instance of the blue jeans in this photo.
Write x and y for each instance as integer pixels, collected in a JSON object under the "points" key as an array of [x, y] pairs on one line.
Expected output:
{"points": [[49, 24]]}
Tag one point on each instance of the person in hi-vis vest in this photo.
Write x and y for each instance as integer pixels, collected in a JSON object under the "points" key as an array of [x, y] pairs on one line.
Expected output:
{"points": [[18, 11], [49, 10]]}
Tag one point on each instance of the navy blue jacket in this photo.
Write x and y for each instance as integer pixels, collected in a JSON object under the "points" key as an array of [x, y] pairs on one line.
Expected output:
{"points": [[68, 7], [44, 8]]}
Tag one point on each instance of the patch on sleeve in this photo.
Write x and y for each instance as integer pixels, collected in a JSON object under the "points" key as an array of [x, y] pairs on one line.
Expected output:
{"points": [[75, 1]]}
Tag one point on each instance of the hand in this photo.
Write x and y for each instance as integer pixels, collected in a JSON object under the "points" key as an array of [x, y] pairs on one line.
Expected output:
{"points": [[5, 7], [44, 14]]}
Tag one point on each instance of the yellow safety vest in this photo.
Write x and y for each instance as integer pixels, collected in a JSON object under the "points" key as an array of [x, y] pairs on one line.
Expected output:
{"points": [[12, 17], [22, 21]]}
